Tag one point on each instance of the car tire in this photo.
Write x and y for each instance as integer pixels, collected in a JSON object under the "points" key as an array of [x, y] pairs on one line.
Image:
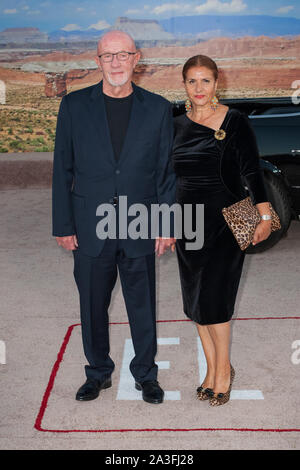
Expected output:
{"points": [[278, 196]]}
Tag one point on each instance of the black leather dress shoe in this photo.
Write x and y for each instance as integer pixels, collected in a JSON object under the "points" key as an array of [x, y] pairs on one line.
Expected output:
{"points": [[91, 389], [152, 392]]}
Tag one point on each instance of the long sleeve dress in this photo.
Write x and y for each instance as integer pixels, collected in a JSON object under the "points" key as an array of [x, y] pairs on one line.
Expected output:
{"points": [[210, 275]]}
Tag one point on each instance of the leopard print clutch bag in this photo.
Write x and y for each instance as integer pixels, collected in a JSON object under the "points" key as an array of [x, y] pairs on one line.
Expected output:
{"points": [[243, 217]]}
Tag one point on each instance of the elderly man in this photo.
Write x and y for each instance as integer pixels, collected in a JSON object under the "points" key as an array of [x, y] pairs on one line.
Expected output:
{"points": [[113, 139]]}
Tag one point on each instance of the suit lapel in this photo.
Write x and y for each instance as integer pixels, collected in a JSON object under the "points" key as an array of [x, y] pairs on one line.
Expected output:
{"points": [[137, 117], [98, 116]]}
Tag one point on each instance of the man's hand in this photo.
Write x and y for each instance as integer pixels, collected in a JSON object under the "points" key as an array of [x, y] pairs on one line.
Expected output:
{"points": [[68, 243], [162, 244]]}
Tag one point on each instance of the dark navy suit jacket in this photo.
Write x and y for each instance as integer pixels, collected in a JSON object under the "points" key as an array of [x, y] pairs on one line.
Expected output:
{"points": [[86, 174]]}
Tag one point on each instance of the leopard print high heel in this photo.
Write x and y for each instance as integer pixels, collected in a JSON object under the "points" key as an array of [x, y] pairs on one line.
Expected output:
{"points": [[204, 393], [222, 398]]}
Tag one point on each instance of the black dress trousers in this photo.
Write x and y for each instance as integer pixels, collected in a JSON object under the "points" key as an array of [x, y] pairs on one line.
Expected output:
{"points": [[95, 278]]}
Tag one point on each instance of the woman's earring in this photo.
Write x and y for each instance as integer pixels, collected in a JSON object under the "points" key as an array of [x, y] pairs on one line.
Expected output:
{"points": [[188, 105], [214, 103]]}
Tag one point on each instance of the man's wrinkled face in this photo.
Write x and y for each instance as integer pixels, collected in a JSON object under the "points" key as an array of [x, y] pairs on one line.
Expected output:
{"points": [[117, 72]]}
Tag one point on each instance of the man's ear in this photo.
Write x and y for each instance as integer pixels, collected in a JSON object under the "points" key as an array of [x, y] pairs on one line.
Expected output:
{"points": [[97, 60], [137, 57]]}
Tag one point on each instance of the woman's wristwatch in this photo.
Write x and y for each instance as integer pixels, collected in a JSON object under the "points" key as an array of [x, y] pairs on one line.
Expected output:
{"points": [[266, 217]]}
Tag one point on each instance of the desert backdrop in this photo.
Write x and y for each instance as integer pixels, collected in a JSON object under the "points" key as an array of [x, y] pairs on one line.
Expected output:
{"points": [[37, 69]]}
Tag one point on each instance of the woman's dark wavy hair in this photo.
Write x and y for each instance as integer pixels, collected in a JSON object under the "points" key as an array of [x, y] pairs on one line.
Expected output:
{"points": [[200, 61]]}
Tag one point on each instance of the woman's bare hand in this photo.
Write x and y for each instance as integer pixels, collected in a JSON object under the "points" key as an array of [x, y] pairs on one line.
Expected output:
{"points": [[262, 232]]}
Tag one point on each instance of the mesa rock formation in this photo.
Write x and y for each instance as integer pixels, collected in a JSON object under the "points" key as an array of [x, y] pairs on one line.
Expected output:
{"points": [[142, 29], [22, 36], [248, 63]]}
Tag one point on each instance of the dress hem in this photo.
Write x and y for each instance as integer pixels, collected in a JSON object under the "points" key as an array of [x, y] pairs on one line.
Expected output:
{"points": [[208, 323]]}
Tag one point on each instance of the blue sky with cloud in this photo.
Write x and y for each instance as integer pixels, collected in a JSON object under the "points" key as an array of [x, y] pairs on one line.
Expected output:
{"points": [[50, 15]]}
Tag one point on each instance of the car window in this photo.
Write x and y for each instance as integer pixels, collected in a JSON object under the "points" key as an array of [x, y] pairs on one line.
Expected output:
{"points": [[282, 110]]}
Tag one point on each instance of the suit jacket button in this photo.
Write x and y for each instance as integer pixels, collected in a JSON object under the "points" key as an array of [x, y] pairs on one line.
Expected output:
{"points": [[118, 172]]}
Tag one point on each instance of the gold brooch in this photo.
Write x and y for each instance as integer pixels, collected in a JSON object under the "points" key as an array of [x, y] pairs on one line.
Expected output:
{"points": [[220, 134]]}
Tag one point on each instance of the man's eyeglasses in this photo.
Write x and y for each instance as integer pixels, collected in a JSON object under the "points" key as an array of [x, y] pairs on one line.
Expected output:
{"points": [[122, 56]]}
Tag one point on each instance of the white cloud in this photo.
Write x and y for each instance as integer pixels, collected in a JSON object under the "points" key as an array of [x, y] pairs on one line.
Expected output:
{"points": [[71, 27], [9, 12], [133, 11], [137, 11], [283, 10], [33, 12], [215, 6], [172, 7], [210, 6], [26, 7], [102, 24]]}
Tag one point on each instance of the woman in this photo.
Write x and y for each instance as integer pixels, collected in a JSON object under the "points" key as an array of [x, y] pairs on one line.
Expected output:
{"points": [[210, 164]]}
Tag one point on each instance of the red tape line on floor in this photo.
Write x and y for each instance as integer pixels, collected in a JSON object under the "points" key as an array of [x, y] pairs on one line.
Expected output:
{"points": [[44, 404]]}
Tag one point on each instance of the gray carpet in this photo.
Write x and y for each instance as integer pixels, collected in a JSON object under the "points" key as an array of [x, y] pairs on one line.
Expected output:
{"points": [[39, 304]]}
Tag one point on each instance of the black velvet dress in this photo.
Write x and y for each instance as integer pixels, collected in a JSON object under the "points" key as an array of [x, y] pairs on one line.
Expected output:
{"points": [[210, 275]]}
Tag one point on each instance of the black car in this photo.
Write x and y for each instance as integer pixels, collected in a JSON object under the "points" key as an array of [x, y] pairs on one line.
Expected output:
{"points": [[276, 123]]}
